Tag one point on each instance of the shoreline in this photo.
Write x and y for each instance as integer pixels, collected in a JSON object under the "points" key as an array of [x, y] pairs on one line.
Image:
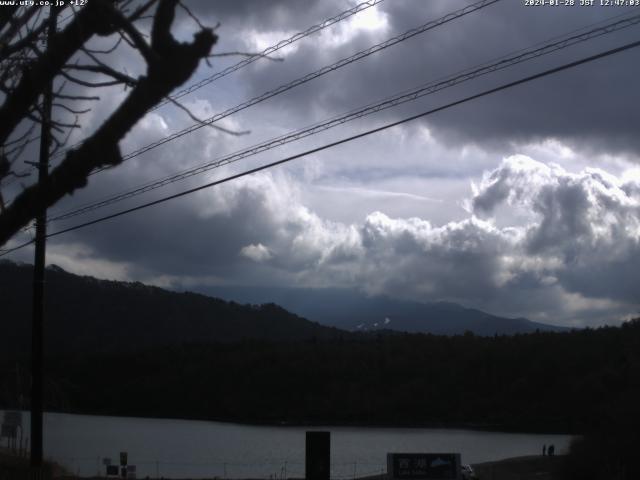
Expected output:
{"points": [[514, 468], [536, 467], [480, 427]]}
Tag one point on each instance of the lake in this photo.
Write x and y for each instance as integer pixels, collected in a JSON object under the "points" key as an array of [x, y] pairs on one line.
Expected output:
{"points": [[198, 449]]}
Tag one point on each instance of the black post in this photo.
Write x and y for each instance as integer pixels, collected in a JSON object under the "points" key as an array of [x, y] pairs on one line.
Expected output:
{"points": [[37, 356], [318, 456]]}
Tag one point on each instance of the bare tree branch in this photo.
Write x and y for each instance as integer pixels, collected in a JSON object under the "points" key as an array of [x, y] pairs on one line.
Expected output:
{"points": [[169, 64], [103, 52], [16, 24], [193, 117], [76, 97], [137, 40], [87, 83], [193, 17], [69, 109], [7, 50], [105, 70], [63, 45], [142, 9]]}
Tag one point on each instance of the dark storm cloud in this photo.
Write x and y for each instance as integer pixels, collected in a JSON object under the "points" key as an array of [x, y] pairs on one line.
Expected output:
{"points": [[266, 15], [588, 107], [576, 254], [578, 249], [178, 239]]}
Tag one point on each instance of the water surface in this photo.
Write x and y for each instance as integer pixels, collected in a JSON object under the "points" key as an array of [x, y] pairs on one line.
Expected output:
{"points": [[199, 449]]}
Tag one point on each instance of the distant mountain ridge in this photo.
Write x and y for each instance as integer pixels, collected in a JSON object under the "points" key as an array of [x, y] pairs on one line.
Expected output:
{"points": [[354, 311], [87, 314]]}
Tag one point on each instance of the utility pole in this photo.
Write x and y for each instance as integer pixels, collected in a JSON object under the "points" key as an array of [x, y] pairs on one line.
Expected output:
{"points": [[37, 330]]}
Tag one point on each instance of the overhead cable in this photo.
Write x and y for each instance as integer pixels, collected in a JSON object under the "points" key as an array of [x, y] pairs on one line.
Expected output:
{"points": [[311, 76], [387, 126], [252, 58], [270, 50], [396, 100]]}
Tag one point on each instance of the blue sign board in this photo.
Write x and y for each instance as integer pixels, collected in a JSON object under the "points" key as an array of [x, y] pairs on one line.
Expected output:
{"points": [[423, 466]]}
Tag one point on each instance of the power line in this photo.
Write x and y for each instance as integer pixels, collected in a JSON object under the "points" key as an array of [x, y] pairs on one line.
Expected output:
{"points": [[306, 78], [387, 126], [265, 53], [290, 40], [311, 76], [398, 99], [269, 50], [502, 62]]}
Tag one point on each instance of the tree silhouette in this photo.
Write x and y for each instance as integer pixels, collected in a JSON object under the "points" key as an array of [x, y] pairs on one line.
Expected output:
{"points": [[28, 62]]}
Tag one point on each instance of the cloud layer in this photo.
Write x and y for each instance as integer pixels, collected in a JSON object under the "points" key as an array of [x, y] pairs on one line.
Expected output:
{"points": [[550, 232], [578, 236], [534, 231]]}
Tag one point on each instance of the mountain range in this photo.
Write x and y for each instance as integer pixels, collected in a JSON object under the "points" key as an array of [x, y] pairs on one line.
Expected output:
{"points": [[87, 314], [355, 311]]}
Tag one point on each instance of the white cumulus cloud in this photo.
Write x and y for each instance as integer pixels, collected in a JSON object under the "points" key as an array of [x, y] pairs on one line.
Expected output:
{"points": [[257, 253]]}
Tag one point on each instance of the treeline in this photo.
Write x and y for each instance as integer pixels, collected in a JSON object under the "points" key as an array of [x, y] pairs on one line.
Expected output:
{"points": [[565, 382], [85, 315]]}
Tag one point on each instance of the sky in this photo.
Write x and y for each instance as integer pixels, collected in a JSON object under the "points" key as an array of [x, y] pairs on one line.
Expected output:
{"points": [[523, 203]]}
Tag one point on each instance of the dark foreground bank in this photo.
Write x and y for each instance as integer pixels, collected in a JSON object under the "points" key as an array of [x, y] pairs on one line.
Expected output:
{"points": [[569, 382], [524, 468]]}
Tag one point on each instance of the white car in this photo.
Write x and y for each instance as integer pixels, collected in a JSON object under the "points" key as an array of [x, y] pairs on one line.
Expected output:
{"points": [[468, 473]]}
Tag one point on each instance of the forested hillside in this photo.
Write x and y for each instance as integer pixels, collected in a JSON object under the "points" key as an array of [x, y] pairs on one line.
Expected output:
{"points": [[90, 315], [566, 382]]}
